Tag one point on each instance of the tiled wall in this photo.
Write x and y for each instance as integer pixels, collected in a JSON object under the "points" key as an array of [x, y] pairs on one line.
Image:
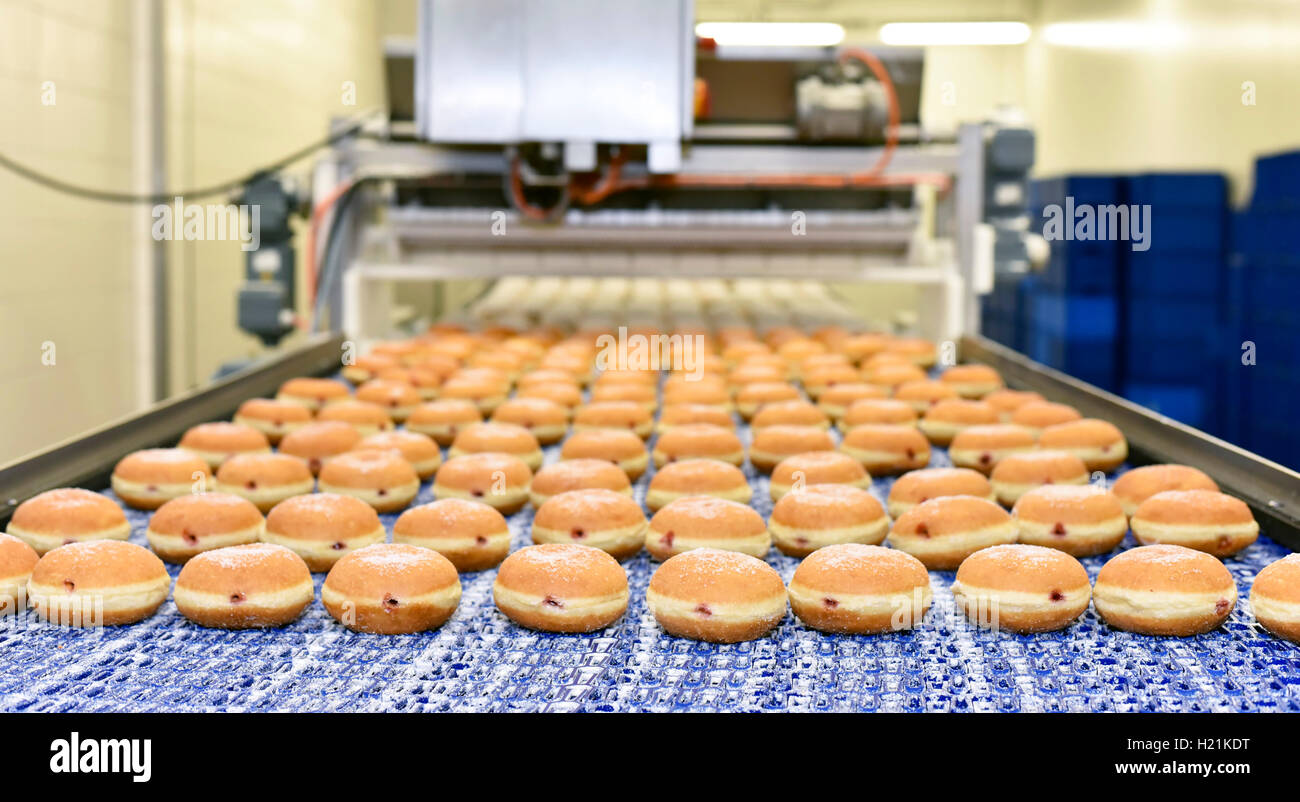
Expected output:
{"points": [[247, 81]]}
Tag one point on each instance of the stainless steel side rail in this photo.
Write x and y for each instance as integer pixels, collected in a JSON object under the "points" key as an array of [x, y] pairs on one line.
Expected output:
{"points": [[1271, 490], [88, 460]]}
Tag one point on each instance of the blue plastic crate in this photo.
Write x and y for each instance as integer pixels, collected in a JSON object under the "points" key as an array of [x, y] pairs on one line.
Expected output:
{"points": [[1277, 177], [1082, 271], [1181, 230], [1188, 360], [1154, 275], [1091, 189], [1076, 318], [1209, 190], [1094, 362], [1186, 403], [1173, 319]]}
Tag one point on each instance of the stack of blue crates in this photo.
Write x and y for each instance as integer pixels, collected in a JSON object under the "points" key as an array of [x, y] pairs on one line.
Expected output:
{"points": [[1263, 314], [1173, 327], [1071, 313]]}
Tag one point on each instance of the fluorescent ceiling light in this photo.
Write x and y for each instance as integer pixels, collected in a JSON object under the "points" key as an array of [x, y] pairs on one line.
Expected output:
{"points": [[771, 34], [1116, 35], [954, 33]]}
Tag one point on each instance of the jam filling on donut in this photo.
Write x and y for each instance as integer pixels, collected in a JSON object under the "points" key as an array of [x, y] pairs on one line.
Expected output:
{"points": [[911, 453], [1048, 481], [480, 540], [389, 601], [339, 545], [578, 534], [668, 540], [551, 601], [250, 484], [476, 493], [381, 492], [801, 541], [986, 458], [190, 538], [236, 598], [1224, 540], [703, 609], [314, 464], [922, 530], [69, 585], [277, 423], [1058, 596], [1059, 529], [152, 488], [830, 603], [1221, 606]]}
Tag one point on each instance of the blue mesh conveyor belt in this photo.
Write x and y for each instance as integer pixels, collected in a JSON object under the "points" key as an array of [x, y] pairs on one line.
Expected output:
{"points": [[481, 661]]}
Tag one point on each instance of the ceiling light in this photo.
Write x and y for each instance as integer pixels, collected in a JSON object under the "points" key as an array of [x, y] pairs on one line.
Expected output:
{"points": [[771, 34], [917, 34]]}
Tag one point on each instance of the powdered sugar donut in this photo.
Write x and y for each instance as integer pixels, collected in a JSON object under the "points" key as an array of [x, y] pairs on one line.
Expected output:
{"points": [[218, 441], [190, 525], [473, 535], [264, 479], [147, 479], [1022, 588], [17, 559], [696, 522], [1164, 590], [391, 589], [577, 474], [107, 582], [244, 587], [1205, 520], [322, 527], [716, 596], [697, 477], [67, 515], [1275, 597], [603, 519], [382, 479], [944, 531], [824, 515], [561, 587], [859, 589], [1080, 520]]}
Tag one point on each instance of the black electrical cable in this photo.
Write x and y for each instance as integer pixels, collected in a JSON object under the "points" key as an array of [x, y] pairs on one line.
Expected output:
{"points": [[325, 281], [166, 197]]}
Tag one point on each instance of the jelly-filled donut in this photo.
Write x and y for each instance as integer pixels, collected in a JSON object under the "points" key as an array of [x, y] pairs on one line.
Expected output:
{"points": [[627, 415], [367, 366], [835, 401], [1038, 415], [1164, 590], [1205, 520], [817, 468], [546, 420], [418, 449], [923, 394], [697, 477], [915, 487], [147, 479], [366, 417], [686, 414], [716, 596], [623, 448], [603, 519], [244, 587], [1006, 402], [750, 398], [1099, 444], [857, 589], [484, 391], [1274, 598], [983, 447], [107, 582], [699, 441], [972, 381], [577, 474], [885, 449], [707, 392], [858, 347], [565, 394], [944, 531], [1017, 474], [498, 480], [824, 515], [762, 372], [790, 413], [190, 525], [1022, 588], [218, 441], [313, 393], [443, 419], [382, 479], [1080, 520], [817, 381], [561, 587], [942, 422], [498, 438], [647, 395], [774, 443], [398, 399], [322, 527], [265, 479], [540, 376], [17, 559], [67, 515], [425, 382], [273, 417], [892, 375], [878, 410], [318, 441], [391, 589], [706, 522], [1140, 484], [471, 534], [920, 351]]}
